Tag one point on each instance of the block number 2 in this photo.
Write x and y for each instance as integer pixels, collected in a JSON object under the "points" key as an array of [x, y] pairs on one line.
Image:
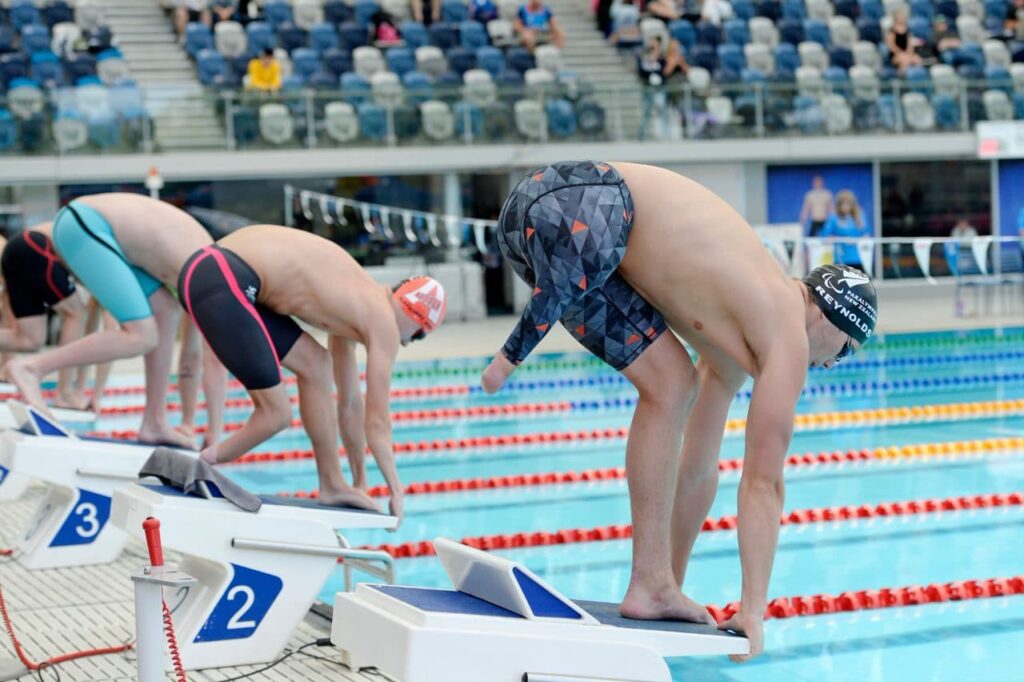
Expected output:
{"points": [[248, 597]]}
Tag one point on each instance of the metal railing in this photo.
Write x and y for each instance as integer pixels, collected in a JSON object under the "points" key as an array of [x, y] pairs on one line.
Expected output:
{"points": [[561, 111]]}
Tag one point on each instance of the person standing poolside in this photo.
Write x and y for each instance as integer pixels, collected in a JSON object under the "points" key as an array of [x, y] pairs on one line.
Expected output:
{"points": [[817, 206], [241, 293], [127, 249], [621, 253]]}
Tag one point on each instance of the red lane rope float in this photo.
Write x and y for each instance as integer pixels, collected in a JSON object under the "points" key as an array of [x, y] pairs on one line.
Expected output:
{"points": [[797, 517], [883, 598], [54, 660], [410, 415], [725, 465]]}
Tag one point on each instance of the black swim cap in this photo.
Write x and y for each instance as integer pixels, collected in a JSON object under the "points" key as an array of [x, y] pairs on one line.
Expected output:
{"points": [[847, 297]]}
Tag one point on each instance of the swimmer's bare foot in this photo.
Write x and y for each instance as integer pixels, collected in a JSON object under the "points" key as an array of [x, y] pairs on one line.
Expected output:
{"points": [[24, 376], [187, 430], [666, 604], [166, 436], [71, 401], [347, 497]]}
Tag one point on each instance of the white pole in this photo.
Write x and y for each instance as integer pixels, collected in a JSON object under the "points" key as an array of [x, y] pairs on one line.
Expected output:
{"points": [[149, 630]]}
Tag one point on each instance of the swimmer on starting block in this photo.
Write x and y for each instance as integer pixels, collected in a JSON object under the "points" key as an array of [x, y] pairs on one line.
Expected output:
{"points": [[36, 280], [621, 253], [127, 249], [241, 292]]}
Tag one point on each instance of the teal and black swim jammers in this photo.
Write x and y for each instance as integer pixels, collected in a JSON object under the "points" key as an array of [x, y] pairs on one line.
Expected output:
{"points": [[218, 290], [86, 242], [564, 230], [35, 277]]}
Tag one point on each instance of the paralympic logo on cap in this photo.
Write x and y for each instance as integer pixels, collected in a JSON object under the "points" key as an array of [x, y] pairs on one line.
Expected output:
{"points": [[850, 278]]}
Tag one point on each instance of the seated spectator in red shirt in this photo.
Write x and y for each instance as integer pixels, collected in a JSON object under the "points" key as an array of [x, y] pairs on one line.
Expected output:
{"points": [[536, 25]]}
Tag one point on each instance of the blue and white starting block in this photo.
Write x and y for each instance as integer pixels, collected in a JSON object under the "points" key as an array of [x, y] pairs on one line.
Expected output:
{"points": [[258, 573], [70, 527], [504, 624]]}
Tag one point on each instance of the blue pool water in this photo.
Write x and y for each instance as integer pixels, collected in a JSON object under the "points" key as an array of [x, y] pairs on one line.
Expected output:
{"points": [[953, 641]]}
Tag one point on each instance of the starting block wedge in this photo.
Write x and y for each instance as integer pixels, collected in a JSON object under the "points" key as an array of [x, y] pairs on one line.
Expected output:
{"points": [[258, 573], [502, 623], [70, 526]]}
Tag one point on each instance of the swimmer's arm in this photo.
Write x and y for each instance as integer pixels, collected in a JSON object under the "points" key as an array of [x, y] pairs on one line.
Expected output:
{"points": [[380, 359], [351, 412], [716, 389], [761, 492]]}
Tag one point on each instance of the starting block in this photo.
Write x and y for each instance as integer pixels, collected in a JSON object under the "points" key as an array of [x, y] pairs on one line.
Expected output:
{"points": [[504, 624], [70, 527], [258, 573]]}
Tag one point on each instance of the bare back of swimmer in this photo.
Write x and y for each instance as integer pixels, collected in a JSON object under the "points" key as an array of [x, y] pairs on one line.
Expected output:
{"points": [[655, 251], [242, 293]]}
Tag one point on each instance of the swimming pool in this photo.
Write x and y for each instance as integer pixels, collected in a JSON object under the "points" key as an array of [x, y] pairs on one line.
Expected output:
{"points": [[973, 452]]}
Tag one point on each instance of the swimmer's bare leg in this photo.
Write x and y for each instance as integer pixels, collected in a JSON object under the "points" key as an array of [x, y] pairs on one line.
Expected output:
{"points": [[72, 312], [312, 366], [99, 385], [271, 414], [215, 386], [652, 466], [155, 428], [188, 376]]}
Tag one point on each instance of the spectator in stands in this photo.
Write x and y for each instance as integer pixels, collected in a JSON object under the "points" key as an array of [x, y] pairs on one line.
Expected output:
{"points": [[432, 14], [943, 37], [1013, 25], [902, 46], [846, 223], [483, 11], [186, 11], [385, 29], [963, 230], [536, 24], [225, 10], [264, 73], [716, 11], [655, 66], [668, 10], [817, 206]]}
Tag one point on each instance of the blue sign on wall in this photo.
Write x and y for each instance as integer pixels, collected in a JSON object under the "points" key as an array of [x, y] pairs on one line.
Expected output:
{"points": [[242, 607], [89, 514], [1011, 198], [3, 473]]}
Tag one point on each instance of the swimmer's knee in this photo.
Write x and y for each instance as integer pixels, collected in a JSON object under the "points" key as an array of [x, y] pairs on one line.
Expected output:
{"points": [[273, 407], [144, 334]]}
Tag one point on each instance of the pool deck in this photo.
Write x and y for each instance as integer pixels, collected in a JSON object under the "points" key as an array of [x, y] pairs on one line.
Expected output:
{"points": [[62, 610]]}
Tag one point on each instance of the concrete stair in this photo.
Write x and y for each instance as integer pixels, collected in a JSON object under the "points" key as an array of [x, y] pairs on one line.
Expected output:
{"points": [[611, 73], [184, 115]]}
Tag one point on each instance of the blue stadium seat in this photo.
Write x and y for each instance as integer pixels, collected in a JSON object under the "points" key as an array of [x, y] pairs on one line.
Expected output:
{"points": [[743, 9], [13, 66], [277, 12], [492, 60], [887, 111], [751, 76], [786, 57], [35, 38], [47, 68], [840, 56], [305, 62], [364, 11], [995, 8], [947, 112], [971, 53], [461, 60], [561, 118], [104, 130], [23, 13], [7, 38], [401, 60], [454, 11], [323, 80], [770, 9], [705, 57], [684, 32], [127, 101], [56, 12], [949, 8], [261, 36], [1018, 106], [871, 9], [708, 34], [511, 81], [354, 88], [736, 32], [373, 121], [443, 35], [323, 37], [79, 65], [869, 30], [468, 116], [590, 117], [212, 67], [520, 59], [922, 9], [794, 9], [730, 59], [791, 31], [838, 78], [448, 84], [999, 78], [337, 11], [353, 35], [414, 34], [472, 35], [292, 37], [418, 87], [8, 131], [818, 32], [921, 27], [198, 36], [846, 8], [808, 115]]}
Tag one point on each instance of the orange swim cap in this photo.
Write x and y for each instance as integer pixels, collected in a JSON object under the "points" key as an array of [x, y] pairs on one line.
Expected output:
{"points": [[423, 301]]}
